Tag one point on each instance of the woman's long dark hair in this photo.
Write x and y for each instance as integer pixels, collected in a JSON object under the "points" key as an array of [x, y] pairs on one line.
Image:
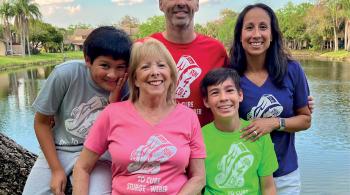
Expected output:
{"points": [[277, 58]]}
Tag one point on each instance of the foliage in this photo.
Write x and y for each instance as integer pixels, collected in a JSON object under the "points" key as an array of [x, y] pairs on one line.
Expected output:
{"points": [[152, 25], [222, 28], [24, 11], [291, 19], [129, 22], [7, 13], [45, 36], [200, 29]]}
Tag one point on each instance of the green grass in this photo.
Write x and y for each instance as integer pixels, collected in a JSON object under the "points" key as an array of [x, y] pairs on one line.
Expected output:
{"points": [[340, 55], [7, 61], [337, 54]]}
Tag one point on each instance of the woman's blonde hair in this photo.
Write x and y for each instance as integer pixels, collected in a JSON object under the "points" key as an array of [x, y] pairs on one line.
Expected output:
{"points": [[150, 47]]}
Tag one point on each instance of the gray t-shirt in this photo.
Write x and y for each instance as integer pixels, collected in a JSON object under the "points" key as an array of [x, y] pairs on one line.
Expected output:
{"points": [[74, 99]]}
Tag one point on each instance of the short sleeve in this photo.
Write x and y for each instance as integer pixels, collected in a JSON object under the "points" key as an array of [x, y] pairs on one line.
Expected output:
{"points": [[97, 139], [301, 87], [197, 143], [52, 93], [268, 163]]}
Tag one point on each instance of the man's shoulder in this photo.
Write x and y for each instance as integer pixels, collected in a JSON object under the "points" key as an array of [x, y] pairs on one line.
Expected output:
{"points": [[157, 35]]}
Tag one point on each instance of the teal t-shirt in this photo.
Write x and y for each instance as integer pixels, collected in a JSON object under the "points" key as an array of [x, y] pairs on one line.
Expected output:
{"points": [[233, 165]]}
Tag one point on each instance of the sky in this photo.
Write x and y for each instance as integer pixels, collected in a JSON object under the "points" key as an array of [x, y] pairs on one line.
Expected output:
{"points": [[62, 13]]}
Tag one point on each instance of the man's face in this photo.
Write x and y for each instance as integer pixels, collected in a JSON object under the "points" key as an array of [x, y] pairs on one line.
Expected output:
{"points": [[179, 13]]}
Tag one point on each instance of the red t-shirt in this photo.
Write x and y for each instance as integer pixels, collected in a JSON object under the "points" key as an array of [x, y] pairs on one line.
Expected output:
{"points": [[194, 60]]}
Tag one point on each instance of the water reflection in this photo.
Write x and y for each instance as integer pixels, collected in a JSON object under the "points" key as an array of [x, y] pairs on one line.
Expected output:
{"points": [[324, 149], [17, 92], [330, 86]]}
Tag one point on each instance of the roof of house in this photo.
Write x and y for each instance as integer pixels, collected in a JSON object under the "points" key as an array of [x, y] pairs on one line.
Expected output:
{"points": [[78, 36]]}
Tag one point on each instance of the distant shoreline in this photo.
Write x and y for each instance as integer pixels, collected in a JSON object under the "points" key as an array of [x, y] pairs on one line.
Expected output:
{"points": [[18, 64], [13, 63], [318, 56]]}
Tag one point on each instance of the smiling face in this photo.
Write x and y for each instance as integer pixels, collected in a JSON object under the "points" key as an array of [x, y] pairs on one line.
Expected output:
{"points": [[179, 13], [256, 32], [153, 77], [223, 99], [105, 71]]}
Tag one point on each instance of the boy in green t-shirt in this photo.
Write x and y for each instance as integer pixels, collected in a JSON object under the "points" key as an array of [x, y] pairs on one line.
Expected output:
{"points": [[233, 165]]}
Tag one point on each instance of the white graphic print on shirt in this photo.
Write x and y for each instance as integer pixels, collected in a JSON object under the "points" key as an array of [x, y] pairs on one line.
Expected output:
{"points": [[188, 71], [147, 158], [233, 166], [267, 107], [84, 115]]}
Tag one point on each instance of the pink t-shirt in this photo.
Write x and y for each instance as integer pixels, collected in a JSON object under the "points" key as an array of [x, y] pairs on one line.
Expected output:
{"points": [[147, 159]]}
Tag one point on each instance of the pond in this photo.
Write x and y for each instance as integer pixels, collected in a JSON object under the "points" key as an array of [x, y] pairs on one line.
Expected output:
{"points": [[324, 149]]}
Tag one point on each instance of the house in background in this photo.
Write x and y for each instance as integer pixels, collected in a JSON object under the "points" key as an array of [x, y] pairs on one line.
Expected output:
{"points": [[78, 38]]}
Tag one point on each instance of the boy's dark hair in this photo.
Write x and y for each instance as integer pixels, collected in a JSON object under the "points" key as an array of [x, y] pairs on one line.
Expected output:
{"points": [[218, 76], [107, 41]]}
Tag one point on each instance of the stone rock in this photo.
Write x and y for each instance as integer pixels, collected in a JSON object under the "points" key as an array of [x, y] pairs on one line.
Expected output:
{"points": [[15, 165]]}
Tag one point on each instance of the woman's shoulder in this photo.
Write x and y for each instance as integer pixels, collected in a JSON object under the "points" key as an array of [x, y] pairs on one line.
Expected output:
{"points": [[294, 66]]}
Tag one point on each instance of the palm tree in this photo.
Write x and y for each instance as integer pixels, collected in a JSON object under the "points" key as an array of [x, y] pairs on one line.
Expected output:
{"points": [[347, 24], [24, 12], [6, 13]]}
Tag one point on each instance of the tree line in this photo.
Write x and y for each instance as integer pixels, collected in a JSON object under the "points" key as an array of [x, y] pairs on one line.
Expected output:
{"points": [[323, 25]]}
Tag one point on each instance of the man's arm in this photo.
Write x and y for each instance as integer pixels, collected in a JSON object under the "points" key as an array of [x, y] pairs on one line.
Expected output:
{"points": [[43, 131], [267, 185]]}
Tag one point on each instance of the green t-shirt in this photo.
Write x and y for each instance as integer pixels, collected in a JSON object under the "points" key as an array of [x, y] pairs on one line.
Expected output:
{"points": [[233, 165]]}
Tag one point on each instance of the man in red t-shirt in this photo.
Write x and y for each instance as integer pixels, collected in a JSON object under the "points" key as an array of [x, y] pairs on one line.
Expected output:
{"points": [[194, 54]]}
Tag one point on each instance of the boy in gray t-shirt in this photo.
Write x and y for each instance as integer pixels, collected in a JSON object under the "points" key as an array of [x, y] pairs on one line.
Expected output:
{"points": [[73, 95]]}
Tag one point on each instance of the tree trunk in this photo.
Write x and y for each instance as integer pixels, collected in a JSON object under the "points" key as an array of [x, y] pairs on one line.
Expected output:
{"points": [[28, 46], [347, 35], [336, 45], [26, 32], [23, 43]]}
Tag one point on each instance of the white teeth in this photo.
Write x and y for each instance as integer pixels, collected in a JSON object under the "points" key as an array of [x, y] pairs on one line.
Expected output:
{"points": [[256, 43], [225, 107], [155, 82]]}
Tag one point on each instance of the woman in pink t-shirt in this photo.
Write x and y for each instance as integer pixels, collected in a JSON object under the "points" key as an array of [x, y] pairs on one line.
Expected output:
{"points": [[156, 145]]}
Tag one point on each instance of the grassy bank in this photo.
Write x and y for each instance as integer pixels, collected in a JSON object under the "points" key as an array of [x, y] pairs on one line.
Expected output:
{"points": [[318, 55], [9, 62]]}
